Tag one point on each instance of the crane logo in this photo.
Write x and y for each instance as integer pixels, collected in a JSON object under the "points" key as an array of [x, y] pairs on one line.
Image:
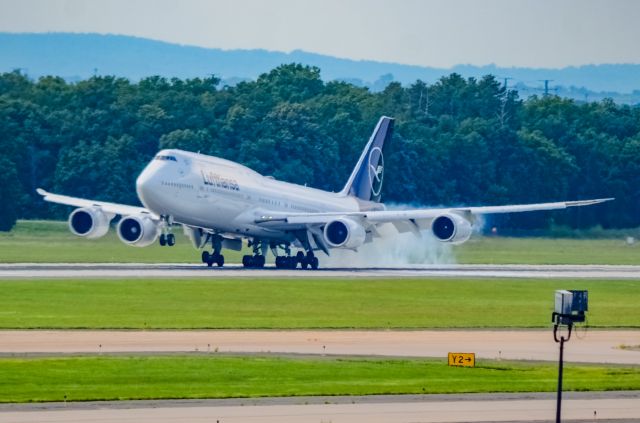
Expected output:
{"points": [[376, 171]]}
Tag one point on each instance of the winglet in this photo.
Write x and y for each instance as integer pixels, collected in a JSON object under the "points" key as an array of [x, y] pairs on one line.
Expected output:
{"points": [[587, 202], [41, 192]]}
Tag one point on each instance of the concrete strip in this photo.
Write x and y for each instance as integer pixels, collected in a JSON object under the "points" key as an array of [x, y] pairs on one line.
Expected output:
{"points": [[175, 270], [588, 347], [533, 410]]}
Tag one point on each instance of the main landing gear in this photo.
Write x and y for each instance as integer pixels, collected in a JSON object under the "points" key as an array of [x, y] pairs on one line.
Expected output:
{"points": [[310, 260], [211, 258], [257, 260], [291, 262], [214, 257], [288, 261]]}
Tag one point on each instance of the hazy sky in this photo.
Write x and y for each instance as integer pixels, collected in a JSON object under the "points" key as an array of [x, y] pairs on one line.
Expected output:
{"points": [[536, 33]]}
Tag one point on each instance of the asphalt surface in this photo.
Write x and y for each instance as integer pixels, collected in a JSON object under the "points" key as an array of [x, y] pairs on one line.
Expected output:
{"points": [[616, 407], [136, 270]]}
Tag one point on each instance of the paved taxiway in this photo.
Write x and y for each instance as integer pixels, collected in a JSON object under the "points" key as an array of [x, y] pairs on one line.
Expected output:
{"points": [[584, 407], [121, 270], [588, 347]]}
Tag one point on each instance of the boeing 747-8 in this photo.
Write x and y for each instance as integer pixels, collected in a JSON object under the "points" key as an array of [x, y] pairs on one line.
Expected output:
{"points": [[220, 203]]}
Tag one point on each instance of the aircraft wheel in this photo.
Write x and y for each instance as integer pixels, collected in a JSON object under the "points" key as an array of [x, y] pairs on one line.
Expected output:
{"points": [[304, 263], [300, 257], [205, 256], [247, 261], [171, 240], [258, 261], [284, 262], [315, 263], [279, 262], [220, 260], [293, 262], [162, 240]]}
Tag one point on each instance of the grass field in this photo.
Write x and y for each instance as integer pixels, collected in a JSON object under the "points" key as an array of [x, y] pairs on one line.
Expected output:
{"points": [[155, 377], [47, 241], [295, 303], [502, 250], [307, 303]]}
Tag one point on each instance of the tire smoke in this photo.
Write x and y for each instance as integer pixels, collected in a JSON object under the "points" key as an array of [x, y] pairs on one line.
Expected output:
{"points": [[394, 249]]}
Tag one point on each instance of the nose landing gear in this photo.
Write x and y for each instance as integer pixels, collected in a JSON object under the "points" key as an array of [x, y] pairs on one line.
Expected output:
{"points": [[166, 237]]}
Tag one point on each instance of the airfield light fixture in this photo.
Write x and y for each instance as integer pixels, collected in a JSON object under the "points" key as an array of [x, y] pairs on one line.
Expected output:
{"points": [[570, 308]]}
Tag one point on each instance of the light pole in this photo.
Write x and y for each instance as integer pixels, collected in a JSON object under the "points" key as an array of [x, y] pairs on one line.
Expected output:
{"points": [[570, 307]]}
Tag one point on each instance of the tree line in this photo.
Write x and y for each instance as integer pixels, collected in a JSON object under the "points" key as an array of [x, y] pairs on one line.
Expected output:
{"points": [[457, 141]]}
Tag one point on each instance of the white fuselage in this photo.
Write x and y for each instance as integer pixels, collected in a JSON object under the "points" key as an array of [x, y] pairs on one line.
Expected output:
{"points": [[217, 194]]}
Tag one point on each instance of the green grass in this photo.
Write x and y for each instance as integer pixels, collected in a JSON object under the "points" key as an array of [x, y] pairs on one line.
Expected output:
{"points": [[307, 303], [501, 250], [47, 241], [156, 377], [52, 242]]}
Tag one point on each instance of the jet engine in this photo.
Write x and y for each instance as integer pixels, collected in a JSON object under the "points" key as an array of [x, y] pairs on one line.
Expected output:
{"points": [[89, 222], [344, 233], [451, 228], [137, 230]]}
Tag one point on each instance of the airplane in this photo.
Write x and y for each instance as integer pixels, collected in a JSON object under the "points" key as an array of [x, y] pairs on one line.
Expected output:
{"points": [[220, 203]]}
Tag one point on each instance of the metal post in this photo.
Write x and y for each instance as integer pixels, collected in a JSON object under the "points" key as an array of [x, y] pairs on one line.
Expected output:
{"points": [[559, 401], [560, 368]]}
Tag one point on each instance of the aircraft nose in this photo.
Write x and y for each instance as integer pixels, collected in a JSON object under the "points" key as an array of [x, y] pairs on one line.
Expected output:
{"points": [[147, 184]]}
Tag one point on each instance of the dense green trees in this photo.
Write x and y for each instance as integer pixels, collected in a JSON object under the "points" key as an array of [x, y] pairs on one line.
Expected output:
{"points": [[457, 141]]}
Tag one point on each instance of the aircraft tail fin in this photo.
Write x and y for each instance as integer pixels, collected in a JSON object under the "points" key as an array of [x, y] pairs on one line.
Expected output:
{"points": [[366, 178]]}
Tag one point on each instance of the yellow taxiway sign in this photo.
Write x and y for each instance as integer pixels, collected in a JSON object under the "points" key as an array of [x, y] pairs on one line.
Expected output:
{"points": [[462, 359]]}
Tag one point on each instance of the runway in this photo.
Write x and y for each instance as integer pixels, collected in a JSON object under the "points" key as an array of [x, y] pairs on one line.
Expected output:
{"points": [[619, 407], [586, 347], [175, 270]]}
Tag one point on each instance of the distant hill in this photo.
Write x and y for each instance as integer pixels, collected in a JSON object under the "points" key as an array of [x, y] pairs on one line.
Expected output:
{"points": [[79, 56]]}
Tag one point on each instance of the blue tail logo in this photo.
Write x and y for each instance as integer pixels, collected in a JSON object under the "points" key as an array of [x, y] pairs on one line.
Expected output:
{"points": [[376, 171], [367, 177]]}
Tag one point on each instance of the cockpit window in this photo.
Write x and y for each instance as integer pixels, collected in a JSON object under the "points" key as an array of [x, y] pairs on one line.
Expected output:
{"points": [[163, 157]]}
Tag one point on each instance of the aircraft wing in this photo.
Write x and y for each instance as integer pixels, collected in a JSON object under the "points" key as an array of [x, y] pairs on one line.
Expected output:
{"points": [[110, 208], [420, 214], [415, 216]]}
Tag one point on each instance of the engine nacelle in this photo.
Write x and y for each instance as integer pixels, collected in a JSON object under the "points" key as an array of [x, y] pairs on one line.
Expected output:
{"points": [[344, 233], [451, 228], [137, 230], [89, 222]]}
